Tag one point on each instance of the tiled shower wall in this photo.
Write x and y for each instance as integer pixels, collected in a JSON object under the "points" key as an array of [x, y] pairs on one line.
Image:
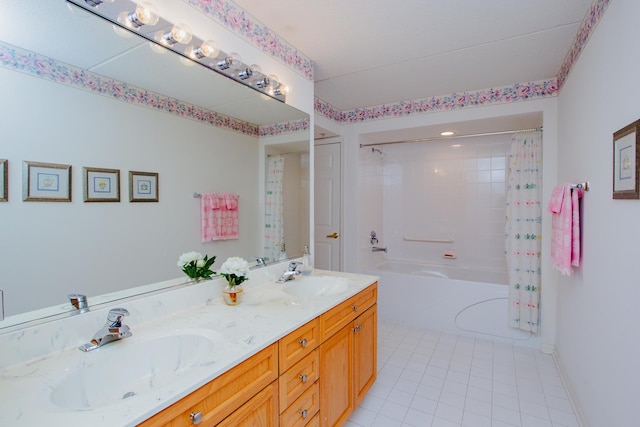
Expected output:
{"points": [[441, 190]]}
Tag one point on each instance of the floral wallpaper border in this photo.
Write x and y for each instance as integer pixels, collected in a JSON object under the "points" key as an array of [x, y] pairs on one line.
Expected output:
{"points": [[284, 127], [505, 94], [244, 24], [584, 32]]}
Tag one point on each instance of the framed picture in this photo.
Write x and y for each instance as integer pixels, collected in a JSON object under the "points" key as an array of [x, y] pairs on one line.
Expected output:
{"points": [[625, 162], [4, 180], [143, 186], [101, 185], [46, 182]]}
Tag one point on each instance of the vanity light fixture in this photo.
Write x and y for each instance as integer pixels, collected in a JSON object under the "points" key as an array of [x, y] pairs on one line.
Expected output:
{"points": [[179, 39], [180, 33]]}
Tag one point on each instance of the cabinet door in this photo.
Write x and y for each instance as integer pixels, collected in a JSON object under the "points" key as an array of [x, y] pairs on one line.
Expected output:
{"points": [[261, 410], [336, 378], [365, 360]]}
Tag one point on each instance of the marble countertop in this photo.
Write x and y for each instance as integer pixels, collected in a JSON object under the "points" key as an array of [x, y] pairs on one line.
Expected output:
{"points": [[265, 315]]}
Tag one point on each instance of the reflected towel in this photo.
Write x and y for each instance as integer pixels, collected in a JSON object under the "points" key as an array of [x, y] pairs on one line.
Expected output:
{"points": [[219, 217], [565, 227]]}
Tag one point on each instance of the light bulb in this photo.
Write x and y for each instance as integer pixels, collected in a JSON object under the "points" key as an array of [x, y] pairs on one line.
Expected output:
{"points": [[145, 14], [208, 49], [249, 71], [274, 81], [180, 33], [232, 61]]}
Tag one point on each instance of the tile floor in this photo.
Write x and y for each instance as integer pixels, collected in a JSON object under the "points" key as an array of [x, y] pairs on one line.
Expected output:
{"points": [[429, 378]]}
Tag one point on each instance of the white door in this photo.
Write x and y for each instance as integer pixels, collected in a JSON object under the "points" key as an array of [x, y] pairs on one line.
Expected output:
{"points": [[327, 206]]}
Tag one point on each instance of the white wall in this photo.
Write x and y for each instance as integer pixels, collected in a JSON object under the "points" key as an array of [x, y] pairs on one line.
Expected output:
{"points": [[89, 247], [598, 341], [441, 190]]}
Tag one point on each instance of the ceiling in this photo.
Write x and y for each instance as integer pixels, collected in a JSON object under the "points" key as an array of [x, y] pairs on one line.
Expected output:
{"points": [[368, 52]]}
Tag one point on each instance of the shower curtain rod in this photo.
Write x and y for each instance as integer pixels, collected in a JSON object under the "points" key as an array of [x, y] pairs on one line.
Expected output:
{"points": [[439, 138]]}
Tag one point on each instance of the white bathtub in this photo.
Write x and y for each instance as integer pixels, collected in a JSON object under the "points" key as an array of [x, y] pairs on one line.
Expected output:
{"points": [[451, 299]]}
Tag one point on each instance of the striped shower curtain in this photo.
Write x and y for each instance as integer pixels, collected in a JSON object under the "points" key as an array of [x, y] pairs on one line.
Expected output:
{"points": [[273, 223], [523, 229]]}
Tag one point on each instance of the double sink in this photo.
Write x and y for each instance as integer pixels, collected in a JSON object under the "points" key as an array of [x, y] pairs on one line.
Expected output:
{"points": [[146, 362]]}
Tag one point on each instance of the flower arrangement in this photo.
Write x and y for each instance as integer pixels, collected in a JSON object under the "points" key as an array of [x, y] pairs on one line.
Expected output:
{"points": [[196, 266], [235, 270]]}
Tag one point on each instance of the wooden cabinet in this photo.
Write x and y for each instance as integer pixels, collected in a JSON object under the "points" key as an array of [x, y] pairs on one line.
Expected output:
{"points": [[365, 351], [314, 376], [219, 398], [348, 356]]}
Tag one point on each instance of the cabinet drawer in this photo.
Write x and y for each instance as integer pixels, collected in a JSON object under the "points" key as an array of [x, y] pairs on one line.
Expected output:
{"points": [[297, 379], [223, 395], [298, 344], [261, 410], [303, 409], [341, 315]]}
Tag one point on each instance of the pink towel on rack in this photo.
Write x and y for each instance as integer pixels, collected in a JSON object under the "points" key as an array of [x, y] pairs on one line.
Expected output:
{"points": [[219, 215], [565, 227]]}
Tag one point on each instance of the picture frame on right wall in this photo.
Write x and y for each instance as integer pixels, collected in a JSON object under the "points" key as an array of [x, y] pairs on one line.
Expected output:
{"points": [[626, 156]]}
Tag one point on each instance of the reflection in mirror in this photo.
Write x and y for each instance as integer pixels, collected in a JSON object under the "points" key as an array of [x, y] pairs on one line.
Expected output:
{"points": [[286, 200], [75, 93]]}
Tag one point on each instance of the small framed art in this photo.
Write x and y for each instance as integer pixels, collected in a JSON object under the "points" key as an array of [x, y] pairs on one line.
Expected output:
{"points": [[143, 186], [46, 182], [4, 180], [626, 173], [101, 185]]}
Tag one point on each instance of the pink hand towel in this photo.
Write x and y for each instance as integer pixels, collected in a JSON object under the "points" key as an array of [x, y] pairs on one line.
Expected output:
{"points": [[219, 221], [565, 227]]}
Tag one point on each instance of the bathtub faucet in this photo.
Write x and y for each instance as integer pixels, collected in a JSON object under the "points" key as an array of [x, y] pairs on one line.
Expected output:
{"points": [[378, 249]]}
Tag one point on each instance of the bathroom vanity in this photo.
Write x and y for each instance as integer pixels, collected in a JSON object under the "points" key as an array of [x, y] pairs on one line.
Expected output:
{"points": [[288, 356]]}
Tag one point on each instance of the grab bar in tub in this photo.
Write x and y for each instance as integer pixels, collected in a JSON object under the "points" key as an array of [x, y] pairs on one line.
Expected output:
{"points": [[410, 239]]}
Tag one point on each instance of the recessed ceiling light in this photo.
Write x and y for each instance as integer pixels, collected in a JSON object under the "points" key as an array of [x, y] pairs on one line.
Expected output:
{"points": [[447, 133]]}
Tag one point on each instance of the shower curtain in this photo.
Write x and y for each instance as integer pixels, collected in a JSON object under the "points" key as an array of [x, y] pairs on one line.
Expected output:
{"points": [[523, 228], [273, 230]]}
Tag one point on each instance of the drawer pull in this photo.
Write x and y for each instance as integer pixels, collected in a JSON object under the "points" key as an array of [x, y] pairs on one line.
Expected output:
{"points": [[196, 418], [355, 329], [355, 308], [303, 342], [304, 413], [303, 378]]}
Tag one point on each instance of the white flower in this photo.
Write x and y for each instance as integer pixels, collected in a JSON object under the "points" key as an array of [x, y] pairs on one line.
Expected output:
{"points": [[235, 265], [188, 257], [200, 263]]}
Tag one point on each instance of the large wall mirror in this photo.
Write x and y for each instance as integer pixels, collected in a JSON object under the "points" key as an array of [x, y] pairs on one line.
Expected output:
{"points": [[51, 249]]}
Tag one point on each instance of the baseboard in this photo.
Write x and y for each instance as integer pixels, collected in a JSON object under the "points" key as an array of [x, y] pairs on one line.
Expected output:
{"points": [[573, 398]]}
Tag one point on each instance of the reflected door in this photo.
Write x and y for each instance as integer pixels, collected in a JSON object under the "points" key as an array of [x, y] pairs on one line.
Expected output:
{"points": [[327, 206]]}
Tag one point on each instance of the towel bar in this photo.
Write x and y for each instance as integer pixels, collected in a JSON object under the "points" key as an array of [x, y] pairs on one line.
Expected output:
{"points": [[409, 239]]}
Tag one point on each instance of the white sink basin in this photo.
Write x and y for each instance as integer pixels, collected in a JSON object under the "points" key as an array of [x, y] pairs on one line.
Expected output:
{"points": [[123, 369], [315, 286]]}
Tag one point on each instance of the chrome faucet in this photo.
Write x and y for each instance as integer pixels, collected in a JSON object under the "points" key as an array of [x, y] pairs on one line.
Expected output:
{"points": [[113, 330], [260, 262], [291, 273]]}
